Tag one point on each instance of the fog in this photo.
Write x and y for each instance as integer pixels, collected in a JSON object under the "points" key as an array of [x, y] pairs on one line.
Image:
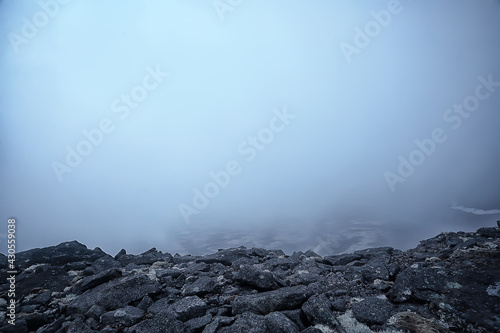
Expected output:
{"points": [[191, 126]]}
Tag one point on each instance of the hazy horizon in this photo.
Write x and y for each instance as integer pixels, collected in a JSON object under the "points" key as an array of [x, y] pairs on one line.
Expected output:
{"points": [[192, 126]]}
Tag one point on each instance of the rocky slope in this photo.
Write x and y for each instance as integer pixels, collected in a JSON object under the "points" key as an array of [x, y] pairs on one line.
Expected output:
{"points": [[449, 283]]}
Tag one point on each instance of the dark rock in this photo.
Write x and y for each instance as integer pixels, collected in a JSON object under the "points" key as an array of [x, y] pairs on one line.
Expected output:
{"points": [[342, 259], [53, 326], [339, 305], [49, 277], [78, 326], [286, 298], [413, 322], [189, 307], [145, 303], [147, 258], [372, 310], [160, 305], [447, 283], [197, 324], [200, 287], [158, 324], [279, 323], [95, 280], [19, 327], [318, 310], [35, 321], [246, 322], [312, 329], [489, 232], [217, 322], [297, 317], [225, 257], [374, 270], [95, 312], [418, 283], [104, 263], [126, 316], [115, 294], [57, 255], [41, 299], [259, 278]]}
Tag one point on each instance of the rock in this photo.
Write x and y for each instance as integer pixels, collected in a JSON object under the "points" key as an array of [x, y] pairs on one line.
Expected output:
{"points": [[313, 329], [189, 307], [200, 287], [158, 324], [489, 232], [115, 294], [343, 259], [49, 277], [147, 258], [57, 255], [372, 310], [246, 322], [418, 283], [103, 277], [35, 321], [279, 323], [160, 305], [197, 324], [95, 312], [145, 303], [374, 270], [259, 278], [413, 322], [447, 283], [218, 322], [286, 298], [104, 263], [318, 310], [78, 326], [225, 257], [126, 316]]}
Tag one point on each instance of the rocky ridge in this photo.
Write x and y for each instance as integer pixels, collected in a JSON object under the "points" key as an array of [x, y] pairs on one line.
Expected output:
{"points": [[449, 283]]}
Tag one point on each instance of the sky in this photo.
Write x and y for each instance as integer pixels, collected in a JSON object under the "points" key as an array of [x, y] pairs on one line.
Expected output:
{"points": [[191, 126]]}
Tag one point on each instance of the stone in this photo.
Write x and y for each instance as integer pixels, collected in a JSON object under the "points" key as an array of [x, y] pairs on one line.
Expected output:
{"points": [[342, 259], [189, 307], [246, 322], [114, 294], [100, 278], [197, 324], [318, 310], [447, 283], [57, 255], [373, 310], [200, 287], [279, 323], [259, 278], [286, 298], [158, 324], [126, 316]]}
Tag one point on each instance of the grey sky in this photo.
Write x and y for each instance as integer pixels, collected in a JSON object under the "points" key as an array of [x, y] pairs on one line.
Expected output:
{"points": [[319, 182]]}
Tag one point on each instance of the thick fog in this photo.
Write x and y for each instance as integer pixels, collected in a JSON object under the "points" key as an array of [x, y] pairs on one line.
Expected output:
{"points": [[191, 126]]}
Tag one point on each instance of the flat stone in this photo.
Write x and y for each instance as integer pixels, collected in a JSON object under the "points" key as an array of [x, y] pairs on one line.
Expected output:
{"points": [[286, 298]]}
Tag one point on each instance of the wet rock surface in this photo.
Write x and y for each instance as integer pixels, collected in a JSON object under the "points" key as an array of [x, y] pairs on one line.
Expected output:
{"points": [[449, 283]]}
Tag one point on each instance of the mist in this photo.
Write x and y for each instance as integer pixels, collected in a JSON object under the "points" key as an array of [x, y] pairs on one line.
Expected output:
{"points": [[191, 126]]}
